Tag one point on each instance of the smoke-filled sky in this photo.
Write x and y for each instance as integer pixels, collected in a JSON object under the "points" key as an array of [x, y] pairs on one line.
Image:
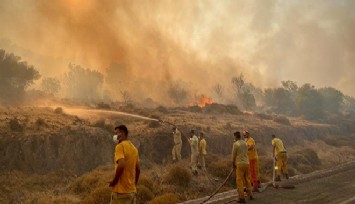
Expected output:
{"points": [[202, 42]]}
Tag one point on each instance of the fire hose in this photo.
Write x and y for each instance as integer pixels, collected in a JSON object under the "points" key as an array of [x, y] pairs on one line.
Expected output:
{"points": [[219, 188]]}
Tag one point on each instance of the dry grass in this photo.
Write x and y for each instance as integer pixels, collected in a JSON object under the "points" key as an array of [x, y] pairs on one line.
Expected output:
{"points": [[179, 176], [168, 198]]}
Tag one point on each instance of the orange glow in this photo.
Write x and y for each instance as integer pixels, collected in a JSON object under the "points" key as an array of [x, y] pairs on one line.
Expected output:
{"points": [[203, 101]]}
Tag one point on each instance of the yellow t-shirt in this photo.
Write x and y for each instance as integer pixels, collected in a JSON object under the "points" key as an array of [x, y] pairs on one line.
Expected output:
{"points": [[203, 145], [278, 144], [240, 152], [127, 151], [252, 154]]}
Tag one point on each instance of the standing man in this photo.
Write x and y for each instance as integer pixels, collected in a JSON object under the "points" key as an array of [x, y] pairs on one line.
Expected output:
{"points": [[202, 151], [280, 155], [126, 169], [194, 151], [177, 144], [241, 164], [253, 160]]}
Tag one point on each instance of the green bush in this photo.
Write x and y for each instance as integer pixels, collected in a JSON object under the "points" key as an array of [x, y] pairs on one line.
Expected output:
{"points": [[168, 198], [179, 176]]}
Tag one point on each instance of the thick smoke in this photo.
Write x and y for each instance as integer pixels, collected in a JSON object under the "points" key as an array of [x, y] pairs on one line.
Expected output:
{"points": [[199, 42]]}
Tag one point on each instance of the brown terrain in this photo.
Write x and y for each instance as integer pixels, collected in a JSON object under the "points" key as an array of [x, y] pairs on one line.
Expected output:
{"points": [[64, 155]]}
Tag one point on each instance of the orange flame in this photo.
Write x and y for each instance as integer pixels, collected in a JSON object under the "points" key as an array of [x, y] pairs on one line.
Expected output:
{"points": [[204, 101]]}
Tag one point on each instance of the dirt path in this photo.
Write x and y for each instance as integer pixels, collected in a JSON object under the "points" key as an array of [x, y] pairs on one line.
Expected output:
{"points": [[335, 185]]}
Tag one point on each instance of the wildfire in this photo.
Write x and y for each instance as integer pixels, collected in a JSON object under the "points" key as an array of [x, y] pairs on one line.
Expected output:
{"points": [[203, 101]]}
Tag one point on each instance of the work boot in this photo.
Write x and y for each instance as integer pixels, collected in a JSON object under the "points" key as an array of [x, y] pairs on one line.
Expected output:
{"points": [[278, 178], [241, 200], [259, 184], [286, 176]]}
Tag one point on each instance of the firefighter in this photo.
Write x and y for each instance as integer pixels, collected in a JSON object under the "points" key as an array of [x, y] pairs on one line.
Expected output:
{"points": [[124, 183], [177, 145], [253, 160], [241, 164], [194, 151], [202, 151], [280, 155]]}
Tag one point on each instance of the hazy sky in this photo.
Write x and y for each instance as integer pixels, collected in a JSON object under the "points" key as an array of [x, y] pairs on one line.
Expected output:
{"points": [[202, 42]]}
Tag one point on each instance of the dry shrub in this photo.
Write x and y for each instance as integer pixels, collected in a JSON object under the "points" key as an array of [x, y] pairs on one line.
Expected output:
{"points": [[263, 116], [101, 194], [154, 124], [162, 109], [220, 168], [88, 183], [15, 125], [168, 198], [144, 194], [179, 176], [40, 122], [282, 120], [304, 161], [146, 181], [58, 110], [102, 124]]}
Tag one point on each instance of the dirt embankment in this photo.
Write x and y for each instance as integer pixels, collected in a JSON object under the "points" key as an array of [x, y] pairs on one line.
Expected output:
{"points": [[40, 141]]}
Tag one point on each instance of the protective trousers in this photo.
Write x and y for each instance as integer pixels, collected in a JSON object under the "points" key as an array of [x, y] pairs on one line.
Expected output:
{"points": [[254, 172], [177, 152], [193, 164], [202, 161], [243, 176], [123, 198], [281, 163]]}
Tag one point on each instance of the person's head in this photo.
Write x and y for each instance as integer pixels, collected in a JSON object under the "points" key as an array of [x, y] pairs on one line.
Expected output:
{"points": [[192, 133], [273, 136], [121, 132], [174, 129], [237, 135], [202, 135], [245, 134]]}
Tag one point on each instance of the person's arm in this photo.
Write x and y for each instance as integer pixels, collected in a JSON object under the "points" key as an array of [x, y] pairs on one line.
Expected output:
{"points": [[118, 173], [234, 155], [138, 172]]}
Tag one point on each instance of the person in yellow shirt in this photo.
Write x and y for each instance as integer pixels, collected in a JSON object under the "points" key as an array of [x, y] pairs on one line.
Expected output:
{"points": [[241, 164], [280, 155], [127, 169], [253, 160], [194, 151], [202, 151], [177, 145]]}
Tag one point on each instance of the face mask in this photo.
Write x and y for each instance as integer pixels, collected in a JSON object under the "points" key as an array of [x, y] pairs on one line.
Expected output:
{"points": [[116, 139]]}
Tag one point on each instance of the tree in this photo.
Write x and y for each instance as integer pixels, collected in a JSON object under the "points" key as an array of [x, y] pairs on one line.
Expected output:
{"points": [[280, 100], [332, 99], [309, 102], [50, 85], [15, 77], [217, 91], [83, 84], [177, 92], [243, 92]]}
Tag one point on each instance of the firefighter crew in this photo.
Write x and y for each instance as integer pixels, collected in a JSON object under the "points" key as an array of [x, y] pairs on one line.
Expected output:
{"points": [[241, 164], [194, 151], [177, 144], [202, 151], [253, 160], [280, 155]]}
